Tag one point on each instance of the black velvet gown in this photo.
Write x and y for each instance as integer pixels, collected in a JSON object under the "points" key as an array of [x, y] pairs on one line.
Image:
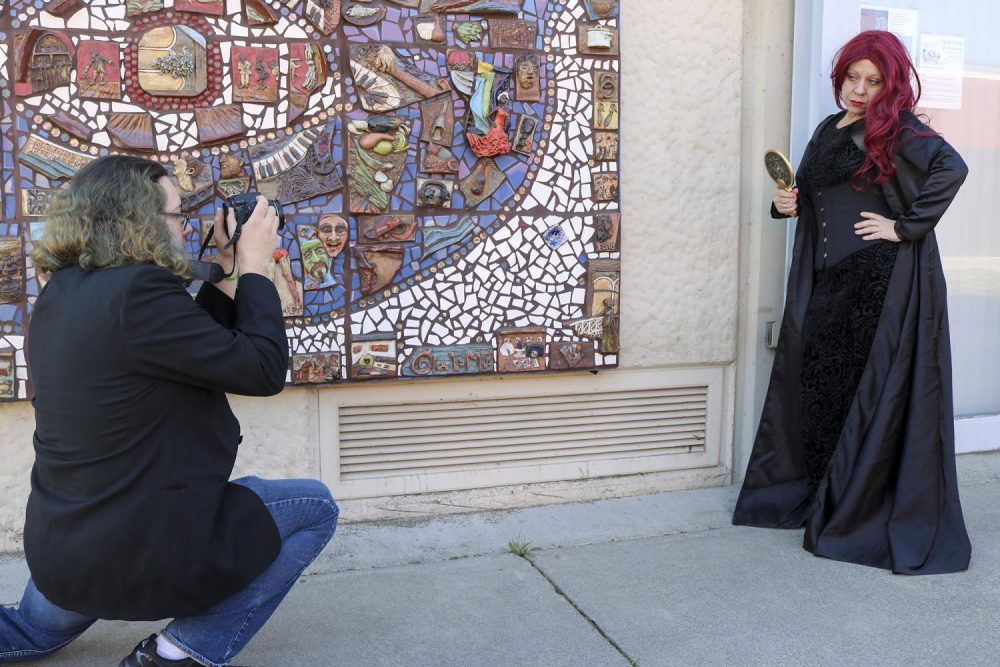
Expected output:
{"points": [[850, 278], [856, 438]]}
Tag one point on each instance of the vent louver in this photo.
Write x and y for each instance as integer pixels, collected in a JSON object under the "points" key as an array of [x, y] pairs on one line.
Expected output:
{"points": [[407, 438]]}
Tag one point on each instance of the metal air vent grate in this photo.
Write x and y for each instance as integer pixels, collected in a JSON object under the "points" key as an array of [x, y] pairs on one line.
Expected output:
{"points": [[457, 436]]}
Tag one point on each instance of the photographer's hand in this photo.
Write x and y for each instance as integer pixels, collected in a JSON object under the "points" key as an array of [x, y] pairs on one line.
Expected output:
{"points": [[259, 238]]}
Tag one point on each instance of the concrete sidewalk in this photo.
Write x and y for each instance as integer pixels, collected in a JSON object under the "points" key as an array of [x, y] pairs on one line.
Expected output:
{"points": [[652, 580]]}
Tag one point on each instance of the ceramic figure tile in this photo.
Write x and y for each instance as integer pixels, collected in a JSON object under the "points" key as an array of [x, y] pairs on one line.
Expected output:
{"points": [[316, 368], [255, 74]]}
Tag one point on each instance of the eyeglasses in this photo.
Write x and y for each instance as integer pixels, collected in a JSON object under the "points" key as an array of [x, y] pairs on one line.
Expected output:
{"points": [[185, 220]]}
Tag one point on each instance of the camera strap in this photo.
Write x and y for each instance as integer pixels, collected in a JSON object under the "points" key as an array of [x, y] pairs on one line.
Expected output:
{"points": [[214, 275]]}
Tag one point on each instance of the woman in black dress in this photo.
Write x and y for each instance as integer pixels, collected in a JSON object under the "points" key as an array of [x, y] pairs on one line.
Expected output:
{"points": [[856, 439]]}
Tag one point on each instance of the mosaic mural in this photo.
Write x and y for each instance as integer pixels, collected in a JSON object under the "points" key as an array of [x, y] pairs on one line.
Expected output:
{"points": [[448, 168]]}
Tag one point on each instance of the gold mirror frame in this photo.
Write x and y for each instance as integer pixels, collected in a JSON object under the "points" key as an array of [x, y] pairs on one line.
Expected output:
{"points": [[780, 170]]}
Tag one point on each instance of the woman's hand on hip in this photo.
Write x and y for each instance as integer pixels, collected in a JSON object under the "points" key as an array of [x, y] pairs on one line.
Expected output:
{"points": [[875, 227], [786, 201]]}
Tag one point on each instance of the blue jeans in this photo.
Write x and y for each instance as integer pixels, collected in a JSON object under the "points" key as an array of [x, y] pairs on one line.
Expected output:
{"points": [[306, 516]]}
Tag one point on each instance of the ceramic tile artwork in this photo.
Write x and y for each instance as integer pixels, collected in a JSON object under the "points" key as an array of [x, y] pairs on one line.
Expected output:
{"points": [[449, 360], [8, 377], [448, 168], [255, 74], [97, 67], [572, 355], [11, 270], [317, 368], [373, 357], [172, 61], [521, 349]]}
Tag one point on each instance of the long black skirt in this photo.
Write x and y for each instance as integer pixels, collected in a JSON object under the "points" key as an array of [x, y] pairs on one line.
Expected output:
{"points": [[837, 335]]}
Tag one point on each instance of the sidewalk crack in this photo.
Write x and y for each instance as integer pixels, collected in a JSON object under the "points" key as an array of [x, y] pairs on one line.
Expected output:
{"points": [[594, 624]]}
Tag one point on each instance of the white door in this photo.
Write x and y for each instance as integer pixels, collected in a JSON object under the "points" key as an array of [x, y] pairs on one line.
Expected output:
{"points": [[954, 44]]}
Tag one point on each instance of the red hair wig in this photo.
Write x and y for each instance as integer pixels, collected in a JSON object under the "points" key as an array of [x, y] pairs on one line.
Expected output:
{"points": [[882, 119]]}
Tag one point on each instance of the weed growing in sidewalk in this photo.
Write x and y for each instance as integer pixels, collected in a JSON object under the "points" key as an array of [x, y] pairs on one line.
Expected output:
{"points": [[521, 548]]}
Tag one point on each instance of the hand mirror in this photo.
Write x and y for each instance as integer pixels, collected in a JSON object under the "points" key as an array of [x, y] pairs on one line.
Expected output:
{"points": [[780, 170]]}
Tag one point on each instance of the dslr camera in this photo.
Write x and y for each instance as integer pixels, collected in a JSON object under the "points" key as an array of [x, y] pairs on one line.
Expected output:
{"points": [[242, 206]]}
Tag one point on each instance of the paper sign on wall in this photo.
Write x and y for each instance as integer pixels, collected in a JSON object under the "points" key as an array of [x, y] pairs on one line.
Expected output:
{"points": [[942, 65], [900, 22]]}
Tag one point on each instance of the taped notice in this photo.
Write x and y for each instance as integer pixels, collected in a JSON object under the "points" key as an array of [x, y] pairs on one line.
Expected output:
{"points": [[942, 67], [900, 22]]}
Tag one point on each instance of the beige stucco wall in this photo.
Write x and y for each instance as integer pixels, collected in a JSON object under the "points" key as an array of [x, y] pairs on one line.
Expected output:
{"points": [[682, 99], [681, 86], [17, 422]]}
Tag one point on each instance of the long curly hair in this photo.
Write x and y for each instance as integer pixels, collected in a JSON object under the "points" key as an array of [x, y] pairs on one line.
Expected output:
{"points": [[109, 214], [882, 120]]}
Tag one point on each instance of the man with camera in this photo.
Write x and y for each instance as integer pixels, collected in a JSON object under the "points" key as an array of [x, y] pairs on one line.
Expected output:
{"points": [[131, 514]]}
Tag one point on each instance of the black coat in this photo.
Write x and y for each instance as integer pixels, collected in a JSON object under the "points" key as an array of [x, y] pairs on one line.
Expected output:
{"points": [[131, 515], [890, 495]]}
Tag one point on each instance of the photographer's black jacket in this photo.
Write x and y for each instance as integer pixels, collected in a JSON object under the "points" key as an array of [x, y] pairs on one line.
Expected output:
{"points": [[131, 515]]}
